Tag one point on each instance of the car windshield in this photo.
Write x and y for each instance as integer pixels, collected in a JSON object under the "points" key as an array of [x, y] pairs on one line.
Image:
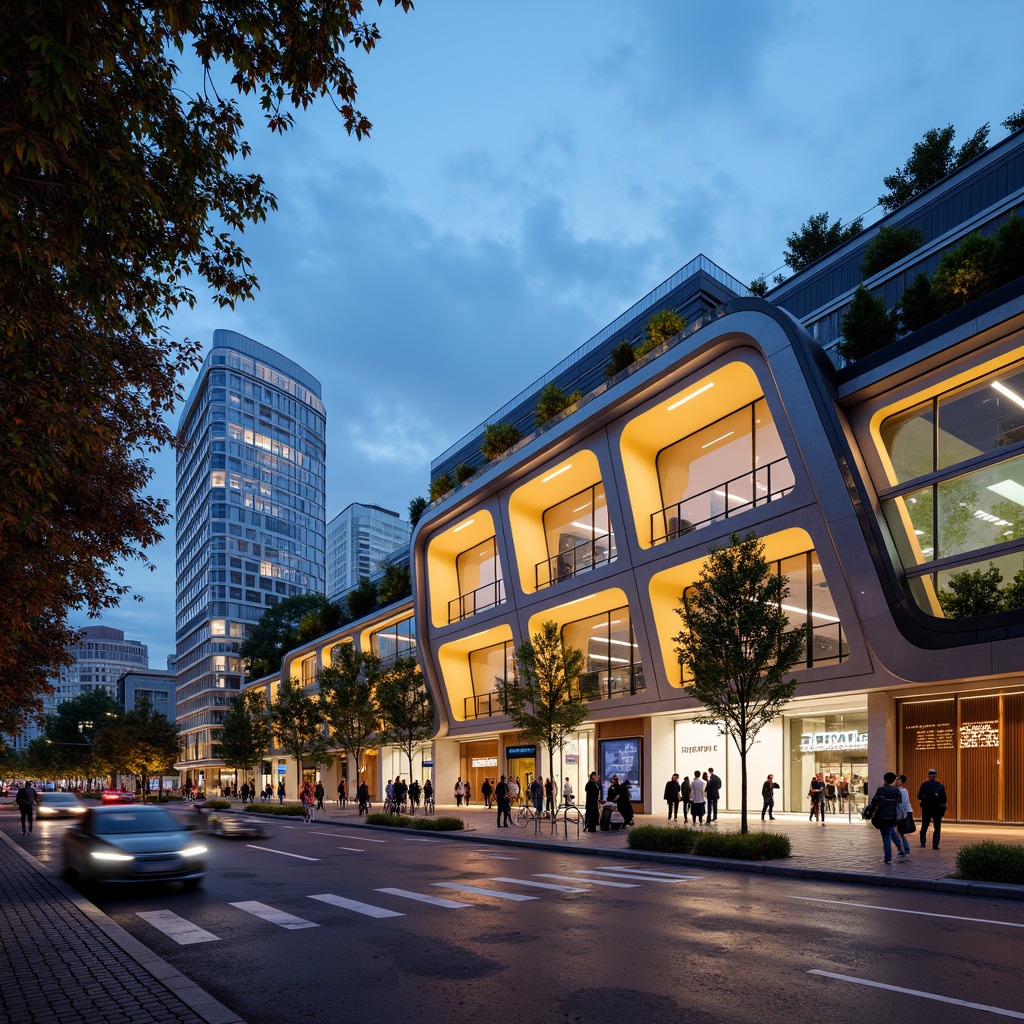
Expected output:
{"points": [[120, 822], [59, 798]]}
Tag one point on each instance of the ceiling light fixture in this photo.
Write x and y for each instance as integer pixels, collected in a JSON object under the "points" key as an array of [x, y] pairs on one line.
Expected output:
{"points": [[692, 394], [1009, 392], [557, 472]]}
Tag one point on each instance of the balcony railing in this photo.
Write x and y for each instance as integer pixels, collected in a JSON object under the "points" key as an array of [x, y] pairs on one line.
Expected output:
{"points": [[483, 705], [465, 605], [587, 555], [758, 487], [607, 684]]}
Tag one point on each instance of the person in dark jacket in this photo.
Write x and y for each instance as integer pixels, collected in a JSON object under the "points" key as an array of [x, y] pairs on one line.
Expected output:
{"points": [[932, 798], [501, 797], [624, 802], [886, 802], [684, 796], [711, 793], [672, 797], [26, 799], [768, 796], [592, 792], [487, 790]]}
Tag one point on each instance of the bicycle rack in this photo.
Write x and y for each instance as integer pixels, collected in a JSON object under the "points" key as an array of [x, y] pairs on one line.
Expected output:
{"points": [[577, 818]]}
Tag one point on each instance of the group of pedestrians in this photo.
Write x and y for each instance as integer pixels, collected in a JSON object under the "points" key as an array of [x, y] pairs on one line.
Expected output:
{"points": [[891, 813], [699, 796]]}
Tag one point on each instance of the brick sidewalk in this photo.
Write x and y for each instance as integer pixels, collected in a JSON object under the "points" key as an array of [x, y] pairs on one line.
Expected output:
{"points": [[64, 960]]}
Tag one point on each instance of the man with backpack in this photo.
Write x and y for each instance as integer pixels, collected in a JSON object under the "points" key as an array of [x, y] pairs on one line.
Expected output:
{"points": [[932, 798], [883, 810]]}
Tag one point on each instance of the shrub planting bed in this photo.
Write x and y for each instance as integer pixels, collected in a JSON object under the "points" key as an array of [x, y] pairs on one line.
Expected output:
{"points": [[283, 810], [991, 862], [726, 844], [426, 824]]}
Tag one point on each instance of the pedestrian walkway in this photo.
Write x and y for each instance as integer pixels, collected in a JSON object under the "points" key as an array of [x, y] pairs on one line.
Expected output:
{"points": [[64, 960]]}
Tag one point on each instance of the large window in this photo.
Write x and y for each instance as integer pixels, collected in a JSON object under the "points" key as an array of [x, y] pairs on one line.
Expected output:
{"points": [[395, 641], [487, 668], [481, 585], [729, 466], [613, 667], [579, 536], [958, 463], [810, 608]]}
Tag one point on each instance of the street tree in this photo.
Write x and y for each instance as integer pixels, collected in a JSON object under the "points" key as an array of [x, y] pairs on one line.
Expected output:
{"points": [[346, 693], [281, 628], [122, 197], [736, 646], [298, 723], [141, 742], [543, 696], [405, 708], [817, 237], [70, 730], [929, 162], [245, 734]]}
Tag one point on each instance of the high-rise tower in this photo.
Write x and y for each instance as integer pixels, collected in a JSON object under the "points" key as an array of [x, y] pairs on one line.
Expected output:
{"points": [[250, 523]]}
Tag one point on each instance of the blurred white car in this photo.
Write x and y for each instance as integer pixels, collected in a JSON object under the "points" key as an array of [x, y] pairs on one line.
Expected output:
{"points": [[59, 805]]}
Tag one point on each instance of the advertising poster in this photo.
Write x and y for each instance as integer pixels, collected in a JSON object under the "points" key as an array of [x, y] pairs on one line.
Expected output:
{"points": [[621, 757]]}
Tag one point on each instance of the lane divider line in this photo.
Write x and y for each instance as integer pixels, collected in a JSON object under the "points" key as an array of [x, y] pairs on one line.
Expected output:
{"points": [[281, 853], [919, 913]]}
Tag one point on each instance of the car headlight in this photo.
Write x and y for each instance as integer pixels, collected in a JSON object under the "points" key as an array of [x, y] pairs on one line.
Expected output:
{"points": [[102, 855], [193, 851]]}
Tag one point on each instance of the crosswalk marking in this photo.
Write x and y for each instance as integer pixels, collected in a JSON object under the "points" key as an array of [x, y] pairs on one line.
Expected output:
{"points": [[183, 932], [629, 869], [436, 901], [355, 905], [641, 876], [282, 853], [517, 897], [592, 881], [274, 916], [540, 885]]}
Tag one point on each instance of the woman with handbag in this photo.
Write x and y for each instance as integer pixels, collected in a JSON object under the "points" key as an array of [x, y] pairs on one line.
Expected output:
{"points": [[904, 818]]}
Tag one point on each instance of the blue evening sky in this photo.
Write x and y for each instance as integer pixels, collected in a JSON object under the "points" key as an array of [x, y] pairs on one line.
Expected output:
{"points": [[535, 168]]}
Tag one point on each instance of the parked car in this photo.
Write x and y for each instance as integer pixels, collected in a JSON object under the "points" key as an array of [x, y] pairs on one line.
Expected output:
{"points": [[120, 844], [59, 805], [118, 796]]}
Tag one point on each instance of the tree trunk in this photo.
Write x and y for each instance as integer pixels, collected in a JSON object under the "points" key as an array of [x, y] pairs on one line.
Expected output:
{"points": [[743, 787]]}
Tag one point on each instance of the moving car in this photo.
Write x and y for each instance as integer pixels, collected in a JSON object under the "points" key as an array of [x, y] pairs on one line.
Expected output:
{"points": [[118, 796], [230, 827], [59, 805], [119, 844]]}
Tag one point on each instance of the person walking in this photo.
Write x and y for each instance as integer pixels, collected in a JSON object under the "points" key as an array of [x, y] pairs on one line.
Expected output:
{"points": [[514, 790], [882, 810], [26, 799], [568, 794], [401, 793], [363, 796], [460, 791], [902, 812], [684, 796], [768, 797], [280, 792], [592, 802], [672, 797], [306, 796], [549, 796], [342, 795], [503, 802], [697, 798], [487, 790], [712, 793], [932, 798], [467, 791], [537, 795], [414, 795], [319, 793], [817, 794], [428, 795]]}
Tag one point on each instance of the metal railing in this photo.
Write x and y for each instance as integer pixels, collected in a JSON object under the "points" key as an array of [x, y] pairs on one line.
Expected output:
{"points": [[483, 705], [465, 605], [584, 556], [765, 484]]}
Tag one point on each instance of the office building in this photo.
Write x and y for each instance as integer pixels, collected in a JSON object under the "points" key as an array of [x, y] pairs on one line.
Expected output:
{"points": [[152, 685], [250, 523], [359, 538]]}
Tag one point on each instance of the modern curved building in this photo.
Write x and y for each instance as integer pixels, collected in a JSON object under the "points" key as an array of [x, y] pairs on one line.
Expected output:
{"points": [[250, 524]]}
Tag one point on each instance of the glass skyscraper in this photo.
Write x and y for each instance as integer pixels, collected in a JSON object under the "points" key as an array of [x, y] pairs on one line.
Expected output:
{"points": [[250, 523]]}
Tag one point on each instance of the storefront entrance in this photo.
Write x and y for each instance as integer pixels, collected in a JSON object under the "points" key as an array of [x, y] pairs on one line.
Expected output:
{"points": [[836, 747], [521, 764]]}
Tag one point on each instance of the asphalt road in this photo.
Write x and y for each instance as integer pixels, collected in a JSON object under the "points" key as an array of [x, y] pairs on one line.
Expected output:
{"points": [[319, 923]]}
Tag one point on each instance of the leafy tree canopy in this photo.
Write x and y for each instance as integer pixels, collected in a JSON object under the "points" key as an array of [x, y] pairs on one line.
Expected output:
{"points": [[916, 307], [661, 327], [405, 708], [965, 273], [283, 627], [622, 356], [737, 646], [119, 193], [929, 162], [1015, 122], [971, 593], [297, 719], [498, 438], [361, 599], [867, 326], [139, 742], [396, 584], [417, 507], [816, 238], [440, 486], [892, 243], [551, 401], [346, 690], [245, 733]]}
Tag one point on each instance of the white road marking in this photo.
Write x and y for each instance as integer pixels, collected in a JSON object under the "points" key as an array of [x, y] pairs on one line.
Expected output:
{"points": [[183, 932], [654, 873], [413, 839], [922, 995], [356, 835], [359, 908], [498, 856], [541, 885], [436, 901], [517, 897], [274, 916], [354, 849], [592, 881], [920, 913], [333, 835], [283, 853], [640, 876]]}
